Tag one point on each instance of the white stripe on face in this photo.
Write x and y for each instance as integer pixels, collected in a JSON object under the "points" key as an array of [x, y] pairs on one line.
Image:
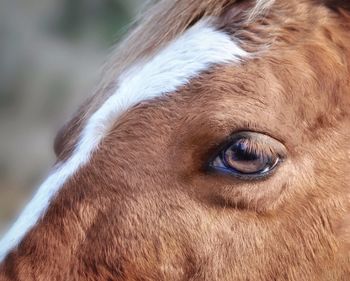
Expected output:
{"points": [[193, 52]]}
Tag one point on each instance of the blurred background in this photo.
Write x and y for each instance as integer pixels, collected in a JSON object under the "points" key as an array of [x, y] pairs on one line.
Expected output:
{"points": [[51, 52]]}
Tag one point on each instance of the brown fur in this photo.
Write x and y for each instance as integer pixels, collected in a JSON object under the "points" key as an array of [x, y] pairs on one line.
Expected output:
{"points": [[144, 208]]}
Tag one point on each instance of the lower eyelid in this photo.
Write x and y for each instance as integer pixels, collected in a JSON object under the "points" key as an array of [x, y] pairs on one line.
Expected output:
{"points": [[218, 170]]}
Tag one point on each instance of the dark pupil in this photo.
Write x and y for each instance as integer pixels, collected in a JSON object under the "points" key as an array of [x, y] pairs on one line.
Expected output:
{"points": [[241, 153], [240, 157]]}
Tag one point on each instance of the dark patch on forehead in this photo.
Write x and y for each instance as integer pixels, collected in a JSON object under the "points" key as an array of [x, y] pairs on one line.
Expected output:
{"points": [[249, 29], [336, 4]]}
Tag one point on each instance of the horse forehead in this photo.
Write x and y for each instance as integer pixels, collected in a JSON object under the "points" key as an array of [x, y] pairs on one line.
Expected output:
{"points": [[198, 49]]}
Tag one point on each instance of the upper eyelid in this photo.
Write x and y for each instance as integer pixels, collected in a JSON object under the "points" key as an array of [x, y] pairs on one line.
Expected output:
{"points": [[232, 137]]}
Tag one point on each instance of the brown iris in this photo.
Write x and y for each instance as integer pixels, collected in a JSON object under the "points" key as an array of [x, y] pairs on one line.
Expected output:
{"points": [[249, 154]]}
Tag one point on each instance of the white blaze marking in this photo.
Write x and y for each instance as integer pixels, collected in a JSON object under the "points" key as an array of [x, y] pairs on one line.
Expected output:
{"points": [[193, 52]]}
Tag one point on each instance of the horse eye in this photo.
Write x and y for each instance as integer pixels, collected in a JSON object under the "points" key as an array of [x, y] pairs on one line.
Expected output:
{"points": [[248, 155]]}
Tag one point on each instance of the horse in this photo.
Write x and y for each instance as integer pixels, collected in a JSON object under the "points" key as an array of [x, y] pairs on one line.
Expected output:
{"points": [[215, 147]]}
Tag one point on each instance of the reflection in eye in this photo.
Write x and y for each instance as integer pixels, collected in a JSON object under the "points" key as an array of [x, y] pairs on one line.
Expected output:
{"points": [[248, 154]]}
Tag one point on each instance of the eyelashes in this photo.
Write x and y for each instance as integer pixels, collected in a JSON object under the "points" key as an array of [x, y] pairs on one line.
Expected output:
{"points": [[248, 155]]}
